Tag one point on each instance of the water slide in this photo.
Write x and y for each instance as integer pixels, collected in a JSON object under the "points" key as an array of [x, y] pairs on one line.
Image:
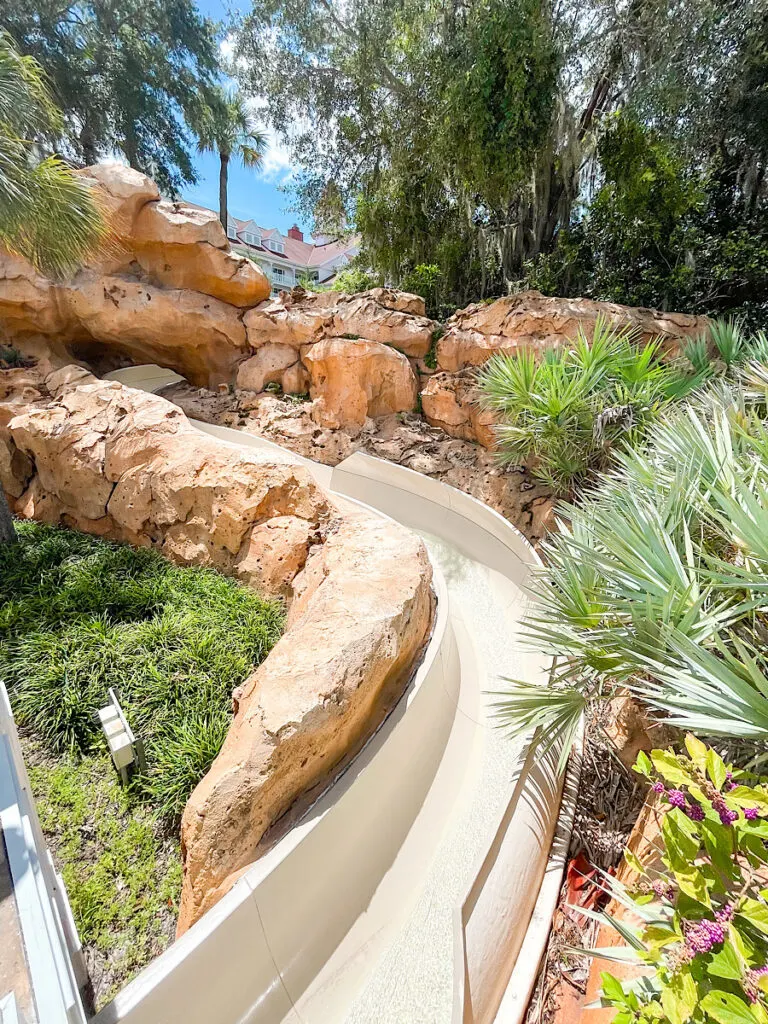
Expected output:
{"points": [[420, 886]]}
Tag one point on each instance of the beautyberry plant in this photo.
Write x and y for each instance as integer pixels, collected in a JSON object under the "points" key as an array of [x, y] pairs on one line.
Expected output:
{"points": [[703, 909]]}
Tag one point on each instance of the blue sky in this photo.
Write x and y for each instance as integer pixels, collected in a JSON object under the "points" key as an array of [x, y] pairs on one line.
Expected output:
{"points": [[251, 193]]}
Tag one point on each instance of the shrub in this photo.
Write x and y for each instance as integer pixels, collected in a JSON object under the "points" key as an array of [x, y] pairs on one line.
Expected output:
{"points": [[703, 917], [657, 579], [569, 411]]}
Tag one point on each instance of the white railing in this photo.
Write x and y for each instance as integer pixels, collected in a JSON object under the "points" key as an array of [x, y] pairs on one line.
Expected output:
{"points": [[53, 952]]}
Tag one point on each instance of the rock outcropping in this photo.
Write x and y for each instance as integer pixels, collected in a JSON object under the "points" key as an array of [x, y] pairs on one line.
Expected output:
{"points": [[532, 320], [168, 290], [129, 466]]}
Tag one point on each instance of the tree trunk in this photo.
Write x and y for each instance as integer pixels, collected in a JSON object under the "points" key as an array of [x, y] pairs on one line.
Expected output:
{"points": [[223, 172], [7, 531]]}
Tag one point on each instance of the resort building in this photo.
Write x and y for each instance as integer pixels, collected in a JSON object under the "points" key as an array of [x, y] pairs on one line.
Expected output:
{"points": [[288, 259]]}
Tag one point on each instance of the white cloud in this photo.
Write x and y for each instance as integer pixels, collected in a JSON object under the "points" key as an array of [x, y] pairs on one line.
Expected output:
{"points": [[276, 167]]}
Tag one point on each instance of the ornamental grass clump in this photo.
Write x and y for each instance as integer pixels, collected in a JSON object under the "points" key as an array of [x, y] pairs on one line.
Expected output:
{"points": [[657, 580], [703, 910]]}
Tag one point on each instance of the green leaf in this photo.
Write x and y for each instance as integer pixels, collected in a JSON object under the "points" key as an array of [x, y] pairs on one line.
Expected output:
{"points": [[668, 766], [716, 768], [612, 990], [743, 796], [727, 963], [756, 913], [697, 751], [634, 862], [726, 1008], [643, 765], [680, 997]]}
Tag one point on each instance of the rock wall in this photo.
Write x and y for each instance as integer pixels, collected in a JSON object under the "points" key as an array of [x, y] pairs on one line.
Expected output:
{"points": [[168, 290], [532, 320], [129, 466]]}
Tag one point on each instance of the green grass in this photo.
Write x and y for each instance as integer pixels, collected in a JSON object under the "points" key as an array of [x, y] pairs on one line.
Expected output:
{"points": [[120, 865], [77, 616]]}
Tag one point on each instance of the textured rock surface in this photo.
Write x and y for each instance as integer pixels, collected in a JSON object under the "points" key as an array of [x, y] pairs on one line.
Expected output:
{"points": [[129, 466], [300, 318], [530, 319], [404, 438], [351, 380], [197, 335], [165, 289], [362, 610], [449, 401]]}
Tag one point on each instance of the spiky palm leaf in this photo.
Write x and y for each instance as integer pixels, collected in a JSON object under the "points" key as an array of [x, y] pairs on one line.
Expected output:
{"points": [[657, 581], [47, 214]]}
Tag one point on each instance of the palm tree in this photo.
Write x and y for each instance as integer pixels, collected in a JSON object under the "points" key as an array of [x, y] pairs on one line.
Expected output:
{"points": [[47, 214], [228, 128]]}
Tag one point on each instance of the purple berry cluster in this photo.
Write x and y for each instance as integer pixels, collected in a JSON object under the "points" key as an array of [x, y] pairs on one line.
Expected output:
{"points": [[726, 816], [663, 890], [750, 813], [701, 936], [750, 984], [724, 914]]}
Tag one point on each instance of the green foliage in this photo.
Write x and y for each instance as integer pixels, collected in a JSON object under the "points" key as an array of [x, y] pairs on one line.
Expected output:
{"points": [[227, 127], [662, 232], [567, 413], [417, 123], [656, 580], [425, 280], [703, 928], [353, 279], [129, 76], [122, 869], [47, 214], [80, 615]]}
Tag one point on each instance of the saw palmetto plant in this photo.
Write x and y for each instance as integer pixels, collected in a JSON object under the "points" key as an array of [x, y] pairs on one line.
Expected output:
{"points": [[657, 581], [564, 414]]}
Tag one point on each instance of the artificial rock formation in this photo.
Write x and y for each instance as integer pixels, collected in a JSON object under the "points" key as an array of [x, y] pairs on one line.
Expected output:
{"points": [[129, 466], [352, 380], [361, 614], [404, 438], [167, 289], [450, 401], [532, 320]]}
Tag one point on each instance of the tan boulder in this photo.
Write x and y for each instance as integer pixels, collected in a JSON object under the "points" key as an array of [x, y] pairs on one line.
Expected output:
{"points": [[406, 302], [194, 334], [354, 634], [170, 223], [266, 366], [361, 315], [450, 401], [281, 321], [28, 301], [353, 379], [121, 192], [532, 320], [300, 318], [182, 246], [273, 554], [295, 380]]}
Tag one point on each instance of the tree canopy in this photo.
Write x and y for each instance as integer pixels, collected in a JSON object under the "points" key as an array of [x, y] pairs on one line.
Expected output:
{"points": [[129, 76], [617, 149]]}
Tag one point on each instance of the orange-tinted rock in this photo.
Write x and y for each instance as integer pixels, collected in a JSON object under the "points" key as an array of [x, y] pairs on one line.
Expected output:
{"points": [[353, 379], [450, 401], [266, 366], [194, 334], [353, 637], [532, 320], [185, 247], [274, 553]]}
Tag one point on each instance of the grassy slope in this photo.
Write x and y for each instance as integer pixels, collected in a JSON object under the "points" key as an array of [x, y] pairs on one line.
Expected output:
{"points": [[78, 615]]}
